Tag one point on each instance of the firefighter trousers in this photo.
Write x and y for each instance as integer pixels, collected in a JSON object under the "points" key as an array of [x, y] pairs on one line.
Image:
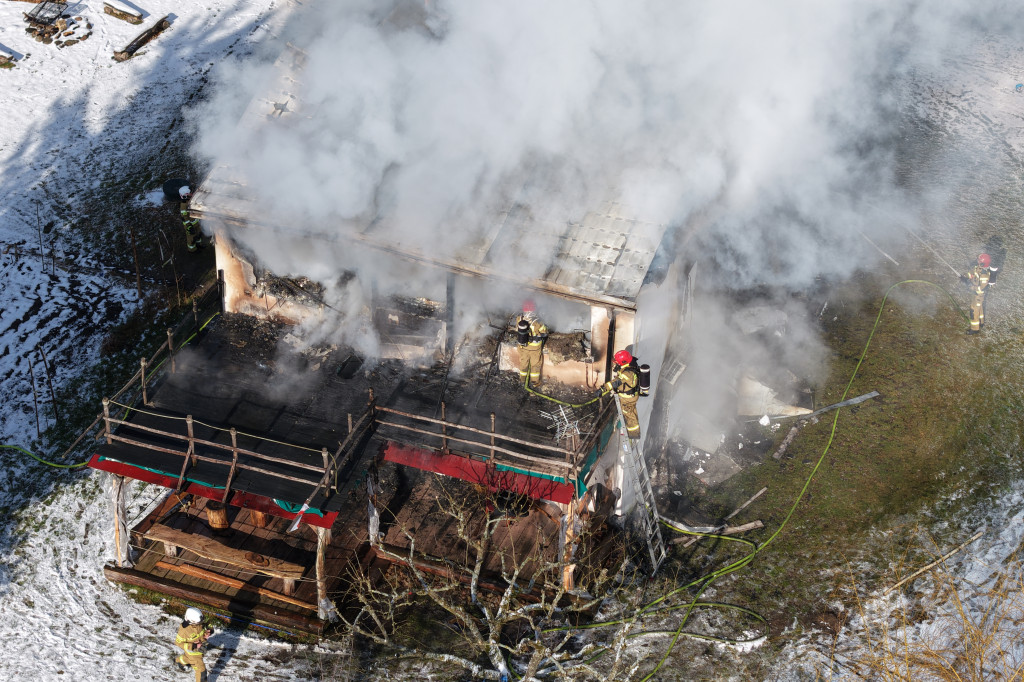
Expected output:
{"points": [[196, 661], [978, 312], [530, 359], [629, 415]]}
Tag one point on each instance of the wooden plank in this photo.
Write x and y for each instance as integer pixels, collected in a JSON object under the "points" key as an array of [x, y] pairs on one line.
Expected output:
{"points": [[257, 612], [208, 548], [240, 585]]}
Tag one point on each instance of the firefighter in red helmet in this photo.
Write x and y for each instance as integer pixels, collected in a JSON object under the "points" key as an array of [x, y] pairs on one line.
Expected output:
{"points": [[531, 334], [625, 382], [978, 279]]}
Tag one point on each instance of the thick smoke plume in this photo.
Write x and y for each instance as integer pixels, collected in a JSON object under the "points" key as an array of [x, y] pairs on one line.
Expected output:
{"points": [[766, 135], [770, 122]]}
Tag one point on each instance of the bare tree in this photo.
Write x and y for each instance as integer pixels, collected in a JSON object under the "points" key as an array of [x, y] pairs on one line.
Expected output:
{"points": [[531, 613]]}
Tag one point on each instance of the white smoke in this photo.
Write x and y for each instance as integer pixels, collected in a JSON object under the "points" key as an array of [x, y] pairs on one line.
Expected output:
{"points": [[775, 118], [766, 134]]}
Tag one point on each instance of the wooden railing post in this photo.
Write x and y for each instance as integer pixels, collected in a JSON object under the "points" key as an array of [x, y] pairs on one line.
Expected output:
{"points": [[444, 429], [106, 419], [492, 437], [170, 347], [142, 377], [191, 438], [234, 463]]}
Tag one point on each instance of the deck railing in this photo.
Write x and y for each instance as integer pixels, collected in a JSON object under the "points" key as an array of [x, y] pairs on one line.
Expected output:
{"points": [[442, 434], [495, 447]]}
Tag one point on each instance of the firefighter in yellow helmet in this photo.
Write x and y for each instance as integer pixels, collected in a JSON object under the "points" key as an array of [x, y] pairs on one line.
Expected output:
{"points": [[978, 279], [530, 334], [626, 382], [192, 635]]}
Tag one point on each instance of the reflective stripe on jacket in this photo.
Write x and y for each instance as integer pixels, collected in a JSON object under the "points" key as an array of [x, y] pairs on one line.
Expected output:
{"points": [[190, 636], [538, 332], [625, 382], [979, 277]]}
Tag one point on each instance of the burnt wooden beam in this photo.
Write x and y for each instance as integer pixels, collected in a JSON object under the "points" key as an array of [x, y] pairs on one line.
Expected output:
{"points": [[258, 613]]}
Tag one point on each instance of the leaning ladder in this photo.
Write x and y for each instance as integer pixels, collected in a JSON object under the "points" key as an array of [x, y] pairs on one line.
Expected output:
{"points": [[648, 511]]}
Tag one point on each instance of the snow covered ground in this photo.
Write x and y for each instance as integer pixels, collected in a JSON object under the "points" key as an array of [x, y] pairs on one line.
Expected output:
{"points": [[973, 605], [74, 120]]}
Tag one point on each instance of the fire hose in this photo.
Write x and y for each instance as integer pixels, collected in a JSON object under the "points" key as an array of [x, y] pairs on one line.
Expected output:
{"points": [[702, 583]]}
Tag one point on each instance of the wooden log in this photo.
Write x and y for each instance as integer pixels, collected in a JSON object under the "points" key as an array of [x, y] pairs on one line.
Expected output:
{"points": [[203, 574], [152, 32], [259, 519], [259, 613], [731, 530], [121, 11], [209, 548], [217, 515], [937, 561]]}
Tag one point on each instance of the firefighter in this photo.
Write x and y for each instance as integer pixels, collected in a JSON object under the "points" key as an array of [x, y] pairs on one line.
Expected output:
{"points": [[626, 382], [531, 334], [193, 236], [978, 279], [192, 635]]}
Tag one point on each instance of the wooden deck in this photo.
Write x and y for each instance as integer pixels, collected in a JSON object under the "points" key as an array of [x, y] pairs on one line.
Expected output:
{"points": [[238, 377], [247, 593]]}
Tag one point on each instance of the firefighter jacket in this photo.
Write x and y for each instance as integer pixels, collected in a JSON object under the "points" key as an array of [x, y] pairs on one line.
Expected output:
{"points": [[191, 638], [625, 381], [190, 224], [979, 278], [538, 333]]}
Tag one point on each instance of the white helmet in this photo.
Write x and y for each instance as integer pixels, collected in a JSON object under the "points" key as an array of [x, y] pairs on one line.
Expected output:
{"points": [[184, 191], [193, 615]]}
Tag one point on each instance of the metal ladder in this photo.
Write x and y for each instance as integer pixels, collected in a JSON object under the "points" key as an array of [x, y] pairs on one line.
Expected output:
{"points": [[647, 510]]}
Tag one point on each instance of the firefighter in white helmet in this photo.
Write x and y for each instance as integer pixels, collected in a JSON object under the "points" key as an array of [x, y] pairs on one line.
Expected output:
{"points": [[193, 236], [191, 637]]}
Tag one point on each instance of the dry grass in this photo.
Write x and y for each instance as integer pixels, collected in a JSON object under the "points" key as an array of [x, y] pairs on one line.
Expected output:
{"points": [[951, 630]]}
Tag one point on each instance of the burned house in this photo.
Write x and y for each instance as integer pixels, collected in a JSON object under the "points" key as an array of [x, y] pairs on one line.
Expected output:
{"points": [[307, 421]]}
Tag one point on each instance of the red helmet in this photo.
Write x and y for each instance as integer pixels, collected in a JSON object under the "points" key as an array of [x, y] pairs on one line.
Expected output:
{"points": [[984, 260], [529, 306], [623, 358]]}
